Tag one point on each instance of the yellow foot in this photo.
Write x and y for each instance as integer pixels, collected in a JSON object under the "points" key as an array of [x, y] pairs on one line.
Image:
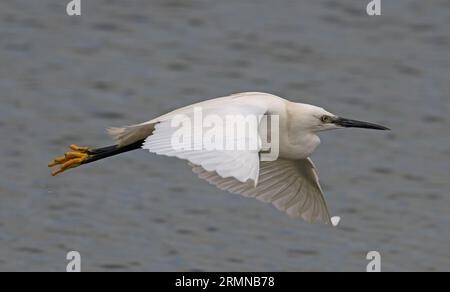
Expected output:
{"points": [[70, 159], [80, 149]]}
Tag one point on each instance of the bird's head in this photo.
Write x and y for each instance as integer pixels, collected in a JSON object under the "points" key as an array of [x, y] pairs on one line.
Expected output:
{"points": [[317, 119]]}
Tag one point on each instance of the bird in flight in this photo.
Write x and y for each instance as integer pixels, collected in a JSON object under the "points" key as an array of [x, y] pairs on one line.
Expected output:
{"points": [[289, 181]]}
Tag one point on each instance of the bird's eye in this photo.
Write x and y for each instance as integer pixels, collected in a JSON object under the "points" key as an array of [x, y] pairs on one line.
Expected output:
{"points": [[326, 119]]}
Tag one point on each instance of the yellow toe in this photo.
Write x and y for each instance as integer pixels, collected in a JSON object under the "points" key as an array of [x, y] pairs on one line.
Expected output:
{"points": [[79, 149], [70, 159], [73, 155], [56, 172]]}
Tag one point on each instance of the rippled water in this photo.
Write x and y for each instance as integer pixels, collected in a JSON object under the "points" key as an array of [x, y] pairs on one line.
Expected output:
{"points": [[63, 80]]}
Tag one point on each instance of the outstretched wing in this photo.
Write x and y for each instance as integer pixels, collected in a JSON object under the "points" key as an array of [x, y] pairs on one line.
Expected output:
{"points": [[127, 135], [291, 186], [239, 164]]}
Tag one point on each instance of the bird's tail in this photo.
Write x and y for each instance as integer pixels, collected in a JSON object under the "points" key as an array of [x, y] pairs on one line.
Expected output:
{"points": [[130, 134]]}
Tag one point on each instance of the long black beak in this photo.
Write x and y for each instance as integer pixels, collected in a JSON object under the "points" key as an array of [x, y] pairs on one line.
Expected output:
{"points": [[346, 123]]}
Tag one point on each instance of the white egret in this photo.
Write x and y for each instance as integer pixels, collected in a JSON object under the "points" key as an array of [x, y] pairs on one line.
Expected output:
{"points": [[290, 182]]}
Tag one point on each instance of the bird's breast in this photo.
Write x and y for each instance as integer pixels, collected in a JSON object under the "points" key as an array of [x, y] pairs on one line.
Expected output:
{"points": [[298, 147]]}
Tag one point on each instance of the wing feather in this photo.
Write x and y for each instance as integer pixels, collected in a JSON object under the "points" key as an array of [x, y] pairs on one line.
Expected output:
{"points": [[242, 165], [291, 186]]}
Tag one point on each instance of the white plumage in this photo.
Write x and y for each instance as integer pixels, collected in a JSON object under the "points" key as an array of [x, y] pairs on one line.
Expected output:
{"points": [[290, 183], [291, 186]]}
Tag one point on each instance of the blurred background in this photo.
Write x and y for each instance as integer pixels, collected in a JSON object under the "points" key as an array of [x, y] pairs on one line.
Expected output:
{"points": [[64, 79]]}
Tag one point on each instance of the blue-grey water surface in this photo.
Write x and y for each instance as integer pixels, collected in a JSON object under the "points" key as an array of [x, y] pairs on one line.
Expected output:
{"points": [[64, 79]]}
